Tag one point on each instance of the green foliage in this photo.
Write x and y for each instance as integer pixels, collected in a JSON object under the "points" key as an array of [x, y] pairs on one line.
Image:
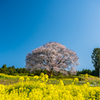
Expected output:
{"points": [[84, 71], [88, 71], [4, 66], [96, 57], [13, 71], [24, 72], [96, 61], [20, 71]]}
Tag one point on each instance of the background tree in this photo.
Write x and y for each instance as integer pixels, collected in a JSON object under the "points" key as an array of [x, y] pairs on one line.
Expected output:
{"points": [[4, 68], [96, 59], [51, 56], [10, 71], [84, 71]]}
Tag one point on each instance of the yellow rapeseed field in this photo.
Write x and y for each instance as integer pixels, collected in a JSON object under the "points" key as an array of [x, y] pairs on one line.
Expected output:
{"points": [[40, 90]]}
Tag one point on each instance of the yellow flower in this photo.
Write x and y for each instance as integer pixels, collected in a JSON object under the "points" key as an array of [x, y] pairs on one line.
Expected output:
{"points": [[76, 80]]}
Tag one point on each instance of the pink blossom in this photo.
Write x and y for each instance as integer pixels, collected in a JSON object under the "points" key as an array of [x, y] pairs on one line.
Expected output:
{"points": [[52, 55]]}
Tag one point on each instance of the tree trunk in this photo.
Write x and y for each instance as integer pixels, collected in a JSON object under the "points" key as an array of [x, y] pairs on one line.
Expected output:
{"points": [[99, 72], [50, 73]]}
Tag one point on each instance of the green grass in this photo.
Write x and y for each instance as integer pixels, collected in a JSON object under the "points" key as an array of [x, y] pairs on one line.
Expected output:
{"points": [[8, 81], [94, 81]]}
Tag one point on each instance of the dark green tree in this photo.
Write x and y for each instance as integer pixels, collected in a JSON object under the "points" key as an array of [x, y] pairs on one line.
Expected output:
{"points": [[24, 70], [96, 59], [10, 71], [4, 66], [4, 69]]}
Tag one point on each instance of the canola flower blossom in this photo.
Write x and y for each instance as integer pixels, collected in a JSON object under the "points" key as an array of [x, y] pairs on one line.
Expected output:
{"points": [[40, 90], [76, 80]]}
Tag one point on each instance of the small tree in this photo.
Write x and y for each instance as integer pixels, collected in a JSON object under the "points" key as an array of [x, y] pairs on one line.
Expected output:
{"points": [[4, 68], [96, 59], [52, 56]]}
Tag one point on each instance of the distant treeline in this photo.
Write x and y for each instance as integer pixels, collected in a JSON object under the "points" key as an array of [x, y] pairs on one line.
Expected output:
{"points": [[23, 71], [19, 71], [88, 71]]}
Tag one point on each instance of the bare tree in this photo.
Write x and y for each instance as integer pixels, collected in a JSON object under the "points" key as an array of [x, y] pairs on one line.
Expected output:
{"points": [[52, 56]]}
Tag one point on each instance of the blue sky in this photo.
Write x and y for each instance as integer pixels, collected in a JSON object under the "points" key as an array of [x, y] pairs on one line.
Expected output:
{"points": [[28, 24]]}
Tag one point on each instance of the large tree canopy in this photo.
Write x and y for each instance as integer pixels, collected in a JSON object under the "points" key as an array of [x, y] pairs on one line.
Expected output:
{"points": [[52, 56]]}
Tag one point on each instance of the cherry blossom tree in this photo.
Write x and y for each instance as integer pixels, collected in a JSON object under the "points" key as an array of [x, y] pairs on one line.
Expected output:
{"points": [[51, 56], [73, 71]]}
